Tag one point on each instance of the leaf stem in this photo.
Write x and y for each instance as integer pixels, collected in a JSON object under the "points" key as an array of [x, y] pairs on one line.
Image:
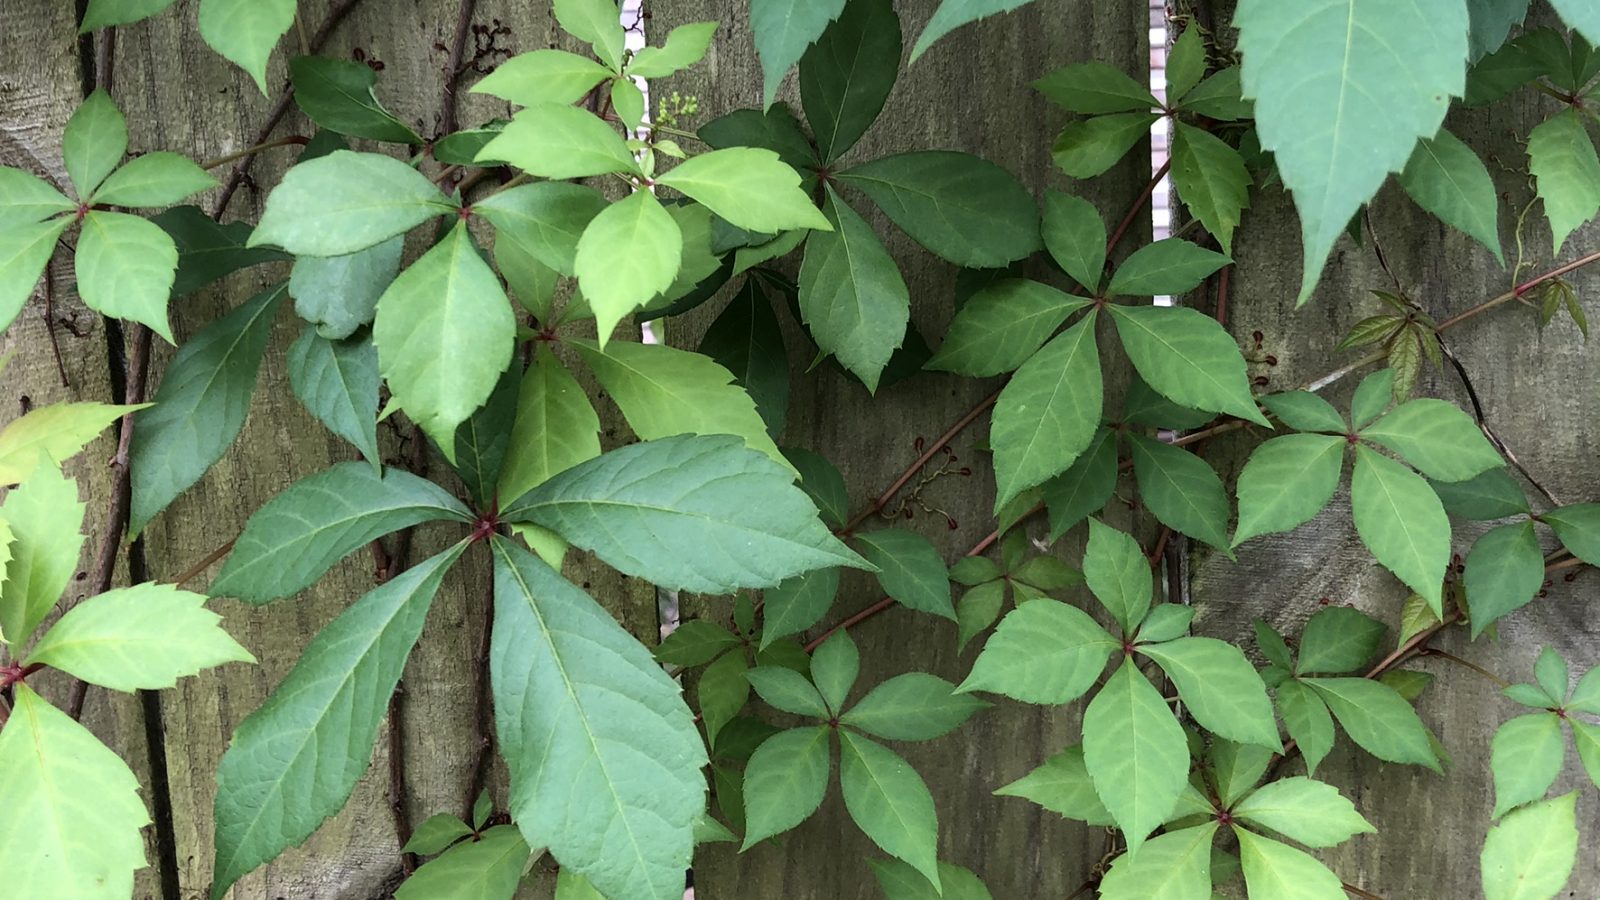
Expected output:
{"points": [[1138, 204], [1444, 654], [297, 139]]}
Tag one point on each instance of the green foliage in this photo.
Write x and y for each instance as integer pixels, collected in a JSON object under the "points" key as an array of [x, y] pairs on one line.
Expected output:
{"points": [[483, 869], [963, 208], [45, 521], [852, 296], [909, 568], [1532, 851]]}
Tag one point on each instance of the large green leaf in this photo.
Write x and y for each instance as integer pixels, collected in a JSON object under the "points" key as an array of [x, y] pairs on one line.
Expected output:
{"points": [[1181, 490], [1173, 866], [783, 30], [852, 297], [120, 12], [699, 513], [722, 692], [486, 868], [1307, 720], [784, 782], [1505, 571], [1277, 870], [1047, 414], [1377, 718], [1001, 326], [909, 568], [245, 31], [1089, 147], [1136, 753], [1343, 89], [545, 219], [339, 294], [890, 802], [25, 250], [125, 266], [1062, 785], [1211, 179], [46, 533], [1092, 88], [556, 427], [797, 603], [776, 129], [964, 208], [1188, 358], [302, 532], [94, 141], [294, 761], [953, 14], [338, 382], [1578, 527], [750, 187], [143, 637], [604, 756], [344, 202], [596, 21], [53, 434], [1582, 17], [1338, 639], [1219, 687], [26, 198], [337, 95], [154, 179], [199, 407], [915, 706], [1169, 266], [1526, 758], [1311, 812], [1286, 482], [1562, 158], [1447, 179], [1402, 522], [543, 76], [1118, 574], [1044, 652], [73, 814], [1443, 442], [847, 75], [1085, 487], [629, 253], [1075, 236], [1530, 854]]}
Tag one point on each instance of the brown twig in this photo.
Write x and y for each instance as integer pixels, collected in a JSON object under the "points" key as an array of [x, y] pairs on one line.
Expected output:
{"points": [[199, 568], [448, 114], [1352, 889], [1138, 205]]}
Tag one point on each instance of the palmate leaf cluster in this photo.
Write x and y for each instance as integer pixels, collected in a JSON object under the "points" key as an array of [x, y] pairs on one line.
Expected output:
{"points": [[471, 316]]}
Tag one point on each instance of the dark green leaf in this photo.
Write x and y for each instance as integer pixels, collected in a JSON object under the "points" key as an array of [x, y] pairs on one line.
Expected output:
{"points": [[1304, 411], [207, 250], [1182, 490], [1378, 719], [1447, 179], [1211, 180], [1188, 358], [783, 29], [1307, 720], [695, 643], [785, 782], [890, 802], [776, 130], [337, 95], [745, 339], [337, 381], [1338, 639], [1047, 415], [1001, 326], [915, 706], [1075, 235], [1085, 487], [963, 208], [852, 297], [1092, 88], [847, 74], [1089, 147], [1578, 527], [910, 569], [1170, 266], [1505, 571]]}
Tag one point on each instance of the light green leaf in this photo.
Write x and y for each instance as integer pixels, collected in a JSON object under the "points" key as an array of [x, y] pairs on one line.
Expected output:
{"points": [[1493, 495], [294, 761], [1338, 639], [1186, 64], [847, 75], [1286, 482], [25, 250], [1047, 414], [74, 816], [1448, 180], [1436, 437], [1075, 235], [53, 434], [1062, 786], [143, 637], [1089, 147], [852, 297], [784, 782], [125, 266], [915, 706], [1279, 871], [615, 284], [1136, 753], [1044, 652], [154, 179], [26, 199], [604, 756], [1211, 179], [890, 802], [1505, 571], [199, 407], [1173, 866], [1308, 721], [910, 569], [685, 46], [699, 513], [556, 427], [783, 29], [787, 691], [1562, 158], [902, 881], [1311, 812], [1343, 89], [1170, 266], [558, 141], [1181, 490], [963, 208], [46, 525], [337, 95], [344, 202], [1526, 758], [245, 31], [797, 603], [1402, 522], [1578, 527], [1377, 718], [488, 868], [338, 382], [1092, 88], [1304, 411], [543, 76], [599, 23], [1118, 574], [1001, 326], [302, 532], [1586, 737], [95, 140], [546, 219], [1219, 687], [435, 834], [834, 668], [750, 187], [1530, 854], [953, 14], [1581, 17], [1188, 358], [119, 12], [339, 294]]}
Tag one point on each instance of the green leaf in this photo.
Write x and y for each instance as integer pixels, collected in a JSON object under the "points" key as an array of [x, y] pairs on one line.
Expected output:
{"points": [[1164, 622], [53, 434], [543, 76], [488, 868], [144, 637], [915, 706], [1505, 571], [339, 294], [890, 802], [722, 692], [1044, 652], [695, 643], [1491, 495], [154, 179], [1342, 92], [1219, 687], [1085, 487], [1526, 758], [559, 141], [1436, 437], [556, 427], [1089, 147], [852, 297], [1304, 411], [1170, 266], [797, 603], [1338, 639], [776, 129], [199, 407], [1047, 414], [1181, 490], [207, 250], [1135, 751], [1047, 573], [784, 782], [1311, 812], [1530, 854], [978, 608], [1188, 358], [847, 74], [481, 442], [1587, 739], [1401, 521], [46, 524], [699, 513], [1581, 17], [245, 31], [344, 202], [901, 881], [963, 208], [745, 338], [95, 140], [1550, 671], [119, 12], [1308, 721], [953, 14], [787, 691], [1371, 397], [302, 532], [1377, 718], [1282, 872], [1118, 574], [783, 29], [599, 23], [749, 187], [1286, 482], [74, 816], [1491, 22], [1236, 770], [1173, 866], [1075, 235], [294, 761], [1578, 527], [338, 382], [1092, 88], [685, 46], [1562, 158], [663, 392], [615, 284], [604, 756], [1448, 180], [435, 834], [337, 95], [1186, 64], [1211, 180], [125, 266], [1001, 326], [1062, 786], [25, 250], [834, 668], [910, 569], [546, 219]]}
